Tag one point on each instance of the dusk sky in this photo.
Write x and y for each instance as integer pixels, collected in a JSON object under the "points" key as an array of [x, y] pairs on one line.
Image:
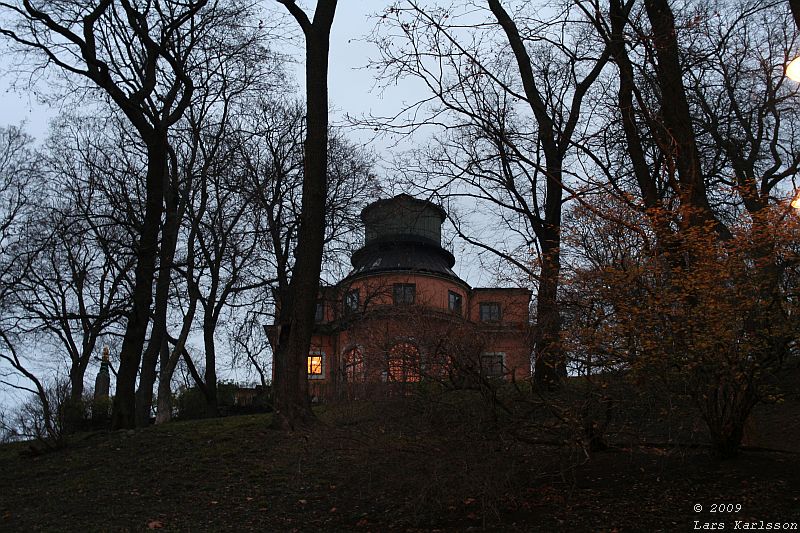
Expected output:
{"points": [[350, 85], [352, 92]]}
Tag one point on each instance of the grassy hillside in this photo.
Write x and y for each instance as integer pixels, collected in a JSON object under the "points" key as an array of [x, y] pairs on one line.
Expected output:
{"points": [[439, 463]]}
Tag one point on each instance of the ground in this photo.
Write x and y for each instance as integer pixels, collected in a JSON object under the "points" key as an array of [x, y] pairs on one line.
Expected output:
{"points": [[429, 464]]}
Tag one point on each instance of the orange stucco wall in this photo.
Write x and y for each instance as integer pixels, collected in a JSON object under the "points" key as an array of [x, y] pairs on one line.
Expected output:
{"points": [[428, 324]]}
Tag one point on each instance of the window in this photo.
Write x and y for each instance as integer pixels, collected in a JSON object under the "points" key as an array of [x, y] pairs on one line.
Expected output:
{"points": [[352, 301], [353, 366], [490, 312], [493, 365], [438, 365], [404, 293], [403, 363], [319, 313], [454, 302], [316, 365]]}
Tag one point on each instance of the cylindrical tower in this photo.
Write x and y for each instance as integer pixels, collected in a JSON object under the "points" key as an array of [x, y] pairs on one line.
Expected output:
{"points": [[403, 234]]}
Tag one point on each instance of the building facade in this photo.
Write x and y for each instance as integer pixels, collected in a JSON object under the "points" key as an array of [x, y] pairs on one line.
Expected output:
{"points": [[403, 316]]}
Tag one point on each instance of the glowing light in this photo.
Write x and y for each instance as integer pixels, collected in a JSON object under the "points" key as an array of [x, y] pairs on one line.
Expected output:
{"points": [[353, 370], [315, 365], [403, 363], [796, 201], [793, 69]]}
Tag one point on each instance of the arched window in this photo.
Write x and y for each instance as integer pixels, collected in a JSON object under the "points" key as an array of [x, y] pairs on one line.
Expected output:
{"points": [[353, 370], [403, 363], [438, 365]]}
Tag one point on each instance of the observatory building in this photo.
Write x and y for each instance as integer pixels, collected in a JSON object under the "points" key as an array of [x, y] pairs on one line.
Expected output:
{"points": [[403, 316]]}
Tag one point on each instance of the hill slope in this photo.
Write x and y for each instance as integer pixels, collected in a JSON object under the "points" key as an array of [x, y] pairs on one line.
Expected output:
{"points": [[408, 466]]}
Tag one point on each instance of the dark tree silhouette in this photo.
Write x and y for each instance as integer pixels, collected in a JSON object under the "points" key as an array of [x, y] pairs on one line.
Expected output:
{"points": [[509, 113], [140, 58], [296, 319]]}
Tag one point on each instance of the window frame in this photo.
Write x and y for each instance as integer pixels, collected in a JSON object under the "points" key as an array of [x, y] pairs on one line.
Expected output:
{"points": [[355, 370], [352, 301], [401, 289], [408, 363], [503, 367], [455, 297], [321, 355], [489, 305]]}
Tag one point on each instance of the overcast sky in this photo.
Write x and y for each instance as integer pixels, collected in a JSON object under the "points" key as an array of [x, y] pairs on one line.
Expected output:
{"points": [[349, 84], [351, 91]]}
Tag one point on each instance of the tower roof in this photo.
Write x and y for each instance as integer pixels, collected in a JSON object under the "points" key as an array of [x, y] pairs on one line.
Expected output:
{"points": [[403, 198], [403, 233], [403, 218]]}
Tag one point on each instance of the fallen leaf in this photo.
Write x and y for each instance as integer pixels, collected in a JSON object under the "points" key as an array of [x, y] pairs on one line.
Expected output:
{"points": [[155, 524]]}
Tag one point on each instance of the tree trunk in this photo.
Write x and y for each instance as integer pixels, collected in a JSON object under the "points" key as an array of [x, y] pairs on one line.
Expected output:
{"points": [[209, 325], [795, 6], [677, 133], [123, 410], [550, 364], [72, 411], [164, 403], [727, 407], [169, 242], [292, 406], [164, 399], [642, 170], [76, 376]]}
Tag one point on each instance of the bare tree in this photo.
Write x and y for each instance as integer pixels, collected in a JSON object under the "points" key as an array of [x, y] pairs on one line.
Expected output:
{"points": [[145, 60], [225, 242], [249, 345], [73, 293], [236, 66], [20, 183], [296, 319], [509, 108], [272, 155]]}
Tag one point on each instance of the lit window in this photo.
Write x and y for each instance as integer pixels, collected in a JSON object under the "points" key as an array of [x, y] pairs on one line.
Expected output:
{"points": [[493, 364], [351, 301], [403, 363], [404, 293], [353, 366], [316, 366], [490, 312], [454, 302]]}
